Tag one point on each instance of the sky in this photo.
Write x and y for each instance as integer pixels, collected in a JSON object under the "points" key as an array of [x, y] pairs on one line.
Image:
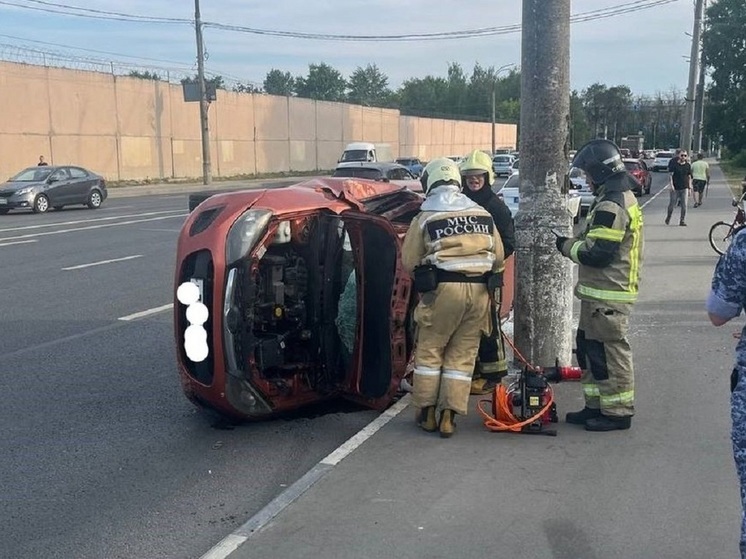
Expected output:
{"points": [[646, 49]]}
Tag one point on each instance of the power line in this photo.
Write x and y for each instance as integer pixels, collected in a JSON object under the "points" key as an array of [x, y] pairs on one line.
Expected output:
{"points": [[602, 13], [117, 17]]}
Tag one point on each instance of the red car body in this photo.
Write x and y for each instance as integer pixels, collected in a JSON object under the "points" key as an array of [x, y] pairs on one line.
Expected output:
{"points": [[639, 170], [272, 265]]}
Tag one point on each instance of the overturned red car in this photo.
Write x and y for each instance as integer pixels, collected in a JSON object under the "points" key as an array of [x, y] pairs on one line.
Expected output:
{"points": [[305, 297]]}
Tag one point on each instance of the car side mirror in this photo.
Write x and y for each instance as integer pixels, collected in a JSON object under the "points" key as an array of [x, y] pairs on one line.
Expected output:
{"points": [[50, 180]]}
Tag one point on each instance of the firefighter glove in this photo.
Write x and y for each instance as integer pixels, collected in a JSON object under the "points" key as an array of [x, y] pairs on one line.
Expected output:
{"points": [[560, 241]]}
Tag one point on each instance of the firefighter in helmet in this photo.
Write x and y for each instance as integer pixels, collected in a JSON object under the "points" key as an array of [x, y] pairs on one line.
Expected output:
{"points": [[477, 178], [609, 258], [452, 249]]}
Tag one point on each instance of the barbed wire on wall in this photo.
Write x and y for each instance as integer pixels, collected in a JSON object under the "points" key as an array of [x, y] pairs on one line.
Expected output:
{"points": [[172, 73]]}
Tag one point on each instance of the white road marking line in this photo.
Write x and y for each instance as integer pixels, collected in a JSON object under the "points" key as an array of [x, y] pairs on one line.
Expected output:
{"points": [[162, 230], [18, 243], [148, 312], [241, 535], [79, 221], [101, 226], [654, 196], [101, 262]]}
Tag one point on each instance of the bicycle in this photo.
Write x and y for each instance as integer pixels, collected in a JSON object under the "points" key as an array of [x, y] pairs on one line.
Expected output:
{"points": [[722, 232]]}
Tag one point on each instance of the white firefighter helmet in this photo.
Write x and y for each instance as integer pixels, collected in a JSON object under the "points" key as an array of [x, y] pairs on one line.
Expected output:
{"points": [[438, 172]]}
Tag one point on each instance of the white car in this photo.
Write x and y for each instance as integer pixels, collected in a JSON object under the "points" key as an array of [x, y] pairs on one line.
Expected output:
{"points": [[580, 185], [510, 195], [661, 160], [502, 165]]}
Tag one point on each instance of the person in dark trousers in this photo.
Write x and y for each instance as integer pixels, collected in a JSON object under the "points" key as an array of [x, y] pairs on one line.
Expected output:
{"points": [[681, 184], [477, 176], [609, 258], [41, 162], [726, 301]]}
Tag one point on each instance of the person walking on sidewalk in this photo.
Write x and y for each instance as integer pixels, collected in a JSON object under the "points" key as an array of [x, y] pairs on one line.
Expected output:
{"points": [[700, 179], [681, 184], [478, 176], [726, 301], [609, 257], [453, 250]]}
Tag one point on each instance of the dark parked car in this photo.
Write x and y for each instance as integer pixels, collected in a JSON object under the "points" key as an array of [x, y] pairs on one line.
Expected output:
{"points": [[638, 169], [386, 172], [413, 164], [39, 188]]}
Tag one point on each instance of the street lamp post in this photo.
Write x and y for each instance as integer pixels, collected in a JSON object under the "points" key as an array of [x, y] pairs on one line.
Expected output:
{"points": [[494, 85]]}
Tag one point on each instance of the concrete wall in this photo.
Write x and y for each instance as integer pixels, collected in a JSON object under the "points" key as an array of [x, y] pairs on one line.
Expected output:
{"points": [[127, 128]]}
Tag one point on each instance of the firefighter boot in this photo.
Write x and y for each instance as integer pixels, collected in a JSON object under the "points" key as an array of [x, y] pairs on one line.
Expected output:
{"points": [[607, 423], [447, 426], [426, 419], [580, 417], [486, 383]]}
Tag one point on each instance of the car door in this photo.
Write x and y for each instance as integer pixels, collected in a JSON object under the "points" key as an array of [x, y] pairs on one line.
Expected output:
{"points": [[382, 346], [58, 187], [80, 185]]}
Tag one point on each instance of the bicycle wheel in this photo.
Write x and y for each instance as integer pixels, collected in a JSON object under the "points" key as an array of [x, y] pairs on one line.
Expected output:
{"points": [[721, 234]]}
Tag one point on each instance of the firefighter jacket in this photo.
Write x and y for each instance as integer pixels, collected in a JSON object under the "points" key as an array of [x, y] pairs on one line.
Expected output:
{"points": [[609, 251], [500, 215], [454, 234]]}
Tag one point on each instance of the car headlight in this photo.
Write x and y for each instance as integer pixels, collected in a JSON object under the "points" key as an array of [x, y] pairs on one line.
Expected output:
{"points": [[244, 233], [24, 191]]}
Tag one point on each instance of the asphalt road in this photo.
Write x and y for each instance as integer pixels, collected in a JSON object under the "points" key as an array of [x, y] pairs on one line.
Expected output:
{"points": [[101, 456]]}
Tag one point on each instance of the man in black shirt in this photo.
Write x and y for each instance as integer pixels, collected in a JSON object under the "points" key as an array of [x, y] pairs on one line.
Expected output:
{"points": [[41, 162], [681, 183]]}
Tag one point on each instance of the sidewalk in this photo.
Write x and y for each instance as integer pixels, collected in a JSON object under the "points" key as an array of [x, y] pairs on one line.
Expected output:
{"points": [[189, 187], [664, 489]]}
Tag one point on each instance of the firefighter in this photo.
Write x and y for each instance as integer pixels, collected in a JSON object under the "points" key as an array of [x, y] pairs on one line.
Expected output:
{"points": [[452, 249], [477, 177], [609, 256]]}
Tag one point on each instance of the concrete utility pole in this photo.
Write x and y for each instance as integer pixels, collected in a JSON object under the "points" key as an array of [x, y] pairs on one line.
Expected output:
{"points": [[688, 124], [203, 102], [544, 279]]}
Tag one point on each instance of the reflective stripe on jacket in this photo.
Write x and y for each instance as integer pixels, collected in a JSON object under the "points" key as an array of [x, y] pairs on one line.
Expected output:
{"points": [[610, 249], [463, 241]]}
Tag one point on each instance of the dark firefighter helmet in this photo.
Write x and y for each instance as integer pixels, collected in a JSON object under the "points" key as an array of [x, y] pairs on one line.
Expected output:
{"points": [[600, 159]]}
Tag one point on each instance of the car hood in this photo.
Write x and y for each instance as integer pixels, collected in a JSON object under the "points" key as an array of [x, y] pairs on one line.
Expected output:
{"points": [[12, 186]]}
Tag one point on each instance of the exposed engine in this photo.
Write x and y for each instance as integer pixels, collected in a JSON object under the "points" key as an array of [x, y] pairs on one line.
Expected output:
{"points": [[280, 314]]}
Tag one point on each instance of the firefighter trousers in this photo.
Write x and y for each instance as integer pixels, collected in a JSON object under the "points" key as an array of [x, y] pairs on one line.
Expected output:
{"points": [[450, 322], [605, 356]]}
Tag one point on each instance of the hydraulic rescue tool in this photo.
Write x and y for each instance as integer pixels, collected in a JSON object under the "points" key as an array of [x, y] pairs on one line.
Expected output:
{"points": [[524, 402]]}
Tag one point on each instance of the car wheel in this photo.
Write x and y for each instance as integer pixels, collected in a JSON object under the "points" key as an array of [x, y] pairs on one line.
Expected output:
{"points": [[41, 204], [58, 208], [4, 211], [94, 200]]}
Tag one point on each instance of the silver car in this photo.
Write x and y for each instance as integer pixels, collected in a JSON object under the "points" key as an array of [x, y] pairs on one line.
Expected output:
{"points": [[660, 163], [502, 165], [43, 187]]}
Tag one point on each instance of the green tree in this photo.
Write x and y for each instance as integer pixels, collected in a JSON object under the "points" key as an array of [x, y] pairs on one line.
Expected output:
{"points": [[277, 82], [247, 88], [322, 82], [146, 75], [217, 81], [724, 50], [422, 95], [580, 131], [369, 86]]}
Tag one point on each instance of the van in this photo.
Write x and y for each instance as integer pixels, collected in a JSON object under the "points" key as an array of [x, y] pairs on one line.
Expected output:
{"points": [[357, 152]]}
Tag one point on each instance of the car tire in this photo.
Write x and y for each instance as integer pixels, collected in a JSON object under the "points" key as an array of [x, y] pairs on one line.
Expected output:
{"points": [[41, 204], [58, 208], [4, 211], [94, 200]]}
